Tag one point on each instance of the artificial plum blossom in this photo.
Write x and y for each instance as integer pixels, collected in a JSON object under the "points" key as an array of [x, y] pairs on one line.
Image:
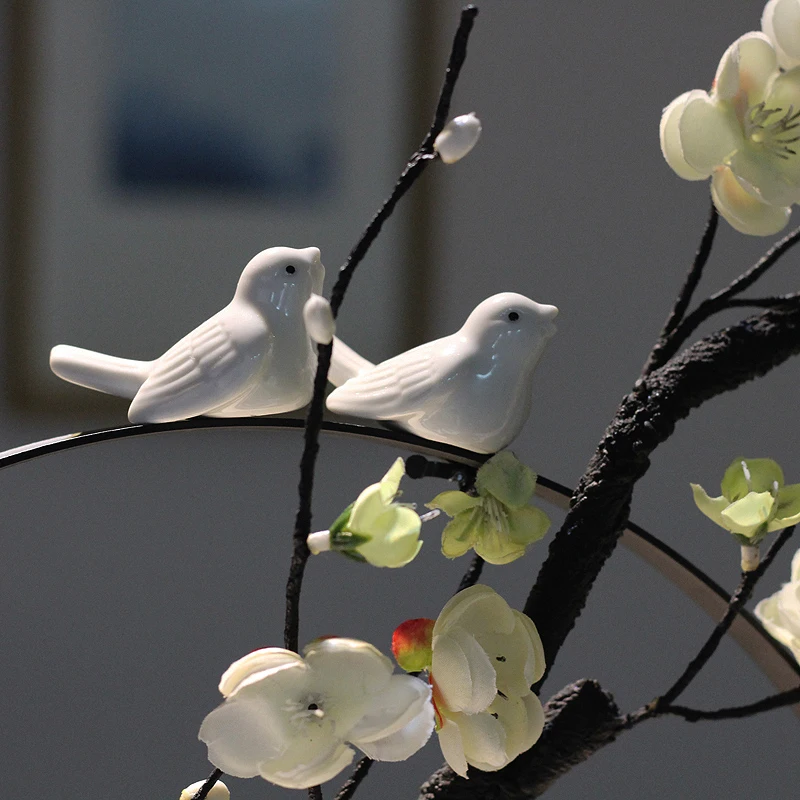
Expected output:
{"points": [[781, 23], [375, 528], [288, 718], [743, 134], [780, 613], [498, 523], [753, 503], [483, 658]]}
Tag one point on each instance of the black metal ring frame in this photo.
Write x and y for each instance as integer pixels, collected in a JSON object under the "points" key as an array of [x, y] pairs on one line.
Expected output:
{"points": [[775, 662]]}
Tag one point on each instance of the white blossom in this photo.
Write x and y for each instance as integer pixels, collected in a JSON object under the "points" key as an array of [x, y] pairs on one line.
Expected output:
{"points": [[744, 134], [781, 23], [457, 138], [485, 658], [289, 718], [780, 613]]}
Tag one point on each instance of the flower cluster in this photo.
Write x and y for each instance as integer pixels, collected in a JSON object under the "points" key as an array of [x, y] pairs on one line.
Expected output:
{"points": [[289, 718], [744, 132], [498, 523], [483, 658]]}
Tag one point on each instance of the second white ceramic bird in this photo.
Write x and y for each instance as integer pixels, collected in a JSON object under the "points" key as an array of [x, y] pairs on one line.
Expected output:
{"points": [[253, 357], [471, 389]]}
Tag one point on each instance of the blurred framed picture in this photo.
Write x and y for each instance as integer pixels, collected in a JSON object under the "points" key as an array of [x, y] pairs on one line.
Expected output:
{"points": [[157, 145]]}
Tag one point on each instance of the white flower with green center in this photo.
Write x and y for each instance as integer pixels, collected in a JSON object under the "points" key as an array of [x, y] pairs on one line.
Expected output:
{"points": [[780, 613], [483, 658], [753, 503], [781, 23], [289, 718], [744, 134], [375, 528], [498, 523]]}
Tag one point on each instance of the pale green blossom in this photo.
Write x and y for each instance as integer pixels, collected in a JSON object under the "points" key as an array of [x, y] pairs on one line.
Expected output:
{"points": [[498, 523]]}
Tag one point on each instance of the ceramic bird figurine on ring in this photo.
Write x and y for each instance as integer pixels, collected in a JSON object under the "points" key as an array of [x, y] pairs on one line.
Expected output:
{"points": [[471, 389], [253, 357]]}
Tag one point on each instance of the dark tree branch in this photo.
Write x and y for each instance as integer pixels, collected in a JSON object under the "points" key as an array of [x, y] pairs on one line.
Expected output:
{"points": [[354, 781], [646, 418], [763, 302], [780, 700], [654, 360], [413, 170], [665, 349], [579, 720], [472, 575]]}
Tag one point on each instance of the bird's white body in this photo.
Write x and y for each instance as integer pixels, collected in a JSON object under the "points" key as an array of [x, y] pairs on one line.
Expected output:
{"points": [[254, 357], [471, 389]]}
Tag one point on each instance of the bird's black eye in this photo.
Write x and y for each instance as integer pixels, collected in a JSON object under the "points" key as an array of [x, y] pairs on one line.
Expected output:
{"points": [[513, 316], [290, 269]]}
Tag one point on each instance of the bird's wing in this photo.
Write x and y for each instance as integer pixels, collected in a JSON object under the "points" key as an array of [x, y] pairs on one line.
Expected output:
{"points": [[394, 388], [206, 369]]}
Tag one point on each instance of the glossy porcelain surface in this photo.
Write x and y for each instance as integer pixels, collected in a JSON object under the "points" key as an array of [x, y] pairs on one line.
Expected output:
{"points": [[471, 389], [253, 357]]}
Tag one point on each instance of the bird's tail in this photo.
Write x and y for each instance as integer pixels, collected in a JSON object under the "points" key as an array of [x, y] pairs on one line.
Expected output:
{"points": [[345, 363], [117, 376]]}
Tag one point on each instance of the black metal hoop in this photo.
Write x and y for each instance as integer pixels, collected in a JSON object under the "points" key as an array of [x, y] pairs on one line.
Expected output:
{"points": [[773, 660]]}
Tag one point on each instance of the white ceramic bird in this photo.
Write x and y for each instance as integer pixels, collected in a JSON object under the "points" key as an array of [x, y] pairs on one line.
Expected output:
{"points": [[253, 357], [471, 389]]}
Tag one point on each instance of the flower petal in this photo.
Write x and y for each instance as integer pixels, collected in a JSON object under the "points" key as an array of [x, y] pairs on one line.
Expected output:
{"points": [[796, 567], [781, 23], [669, 133], [484, 741], [347, 673], [404, 743], [304, 775], [712, 507], [536, 644], [460, 533], [764, 176], [709, 134], [411, 728], [748, 515], [767, 612], [763, 474], [369, 505], [464, 675], [757, 63], [479, 609], [507, 479], [453, 502], [394, 538], [453, 747], [788, 501], [496, 547], [255, 666], [241, 734], [527, 524], [398, 704], [390, 483], [741, 210]]}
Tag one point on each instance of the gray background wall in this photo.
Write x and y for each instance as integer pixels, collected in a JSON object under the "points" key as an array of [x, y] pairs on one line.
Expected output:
{"points": [[134, 573]]}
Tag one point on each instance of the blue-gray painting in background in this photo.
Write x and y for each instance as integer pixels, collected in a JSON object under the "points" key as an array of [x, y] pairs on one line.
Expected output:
{"points": [[222, 96]]}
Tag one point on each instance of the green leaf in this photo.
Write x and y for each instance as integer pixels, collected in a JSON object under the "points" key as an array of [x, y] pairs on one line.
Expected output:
{"points": [[348, 540], [506, 478]]}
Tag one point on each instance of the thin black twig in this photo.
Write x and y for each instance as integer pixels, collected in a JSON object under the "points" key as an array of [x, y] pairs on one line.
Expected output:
{"points": [[315, 793], [740, 597], [208, 785], [780, 700], [413, 170], [687, 290], [472, 575], [718, 301], [354, 781]]}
